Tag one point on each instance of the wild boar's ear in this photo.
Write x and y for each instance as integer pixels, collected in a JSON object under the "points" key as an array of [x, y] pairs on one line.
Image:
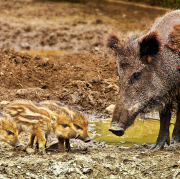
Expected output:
{"points": [[112, 41], [149, 46]]}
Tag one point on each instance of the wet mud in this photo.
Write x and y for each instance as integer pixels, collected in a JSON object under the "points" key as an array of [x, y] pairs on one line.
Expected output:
{"points": [[58, 51]]}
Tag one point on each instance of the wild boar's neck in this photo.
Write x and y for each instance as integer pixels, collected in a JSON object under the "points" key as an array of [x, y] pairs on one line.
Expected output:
{"points": [[165, 24]]}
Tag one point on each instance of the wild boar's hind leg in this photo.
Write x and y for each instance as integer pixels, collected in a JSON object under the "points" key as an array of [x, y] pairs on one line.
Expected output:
{"points": [[176, 132], [41, 140], [31, 140], [68, 147], [163, 137]]}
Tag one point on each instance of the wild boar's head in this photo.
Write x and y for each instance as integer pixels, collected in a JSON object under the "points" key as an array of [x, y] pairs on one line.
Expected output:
{"points": [[139, 85]]}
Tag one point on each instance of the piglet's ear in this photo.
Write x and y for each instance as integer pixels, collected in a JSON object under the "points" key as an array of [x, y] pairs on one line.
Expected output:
{"points": [[112, 41], [149, 46]]}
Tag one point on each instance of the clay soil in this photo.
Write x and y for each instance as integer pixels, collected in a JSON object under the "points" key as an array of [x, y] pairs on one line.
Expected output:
{"points": [[66, 59]]}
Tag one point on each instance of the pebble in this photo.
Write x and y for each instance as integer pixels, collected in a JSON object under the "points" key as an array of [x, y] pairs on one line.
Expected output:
{"points": [[86, 170], [4, 102], [30, 151], [110, 109], [25, 45]]}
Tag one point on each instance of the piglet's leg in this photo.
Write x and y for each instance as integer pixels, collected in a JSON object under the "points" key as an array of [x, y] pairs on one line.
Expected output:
{"points": [[61, 144], [31, 140], [68, 147], [163, 137], [41, 140], [176, 132]]}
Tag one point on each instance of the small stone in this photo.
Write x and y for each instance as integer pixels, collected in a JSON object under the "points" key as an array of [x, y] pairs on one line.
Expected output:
{"points": [[25, 45], [86, 170], [21, 148], [4, 102], [21, 91], [110, 109], [96, 48], [53, 146], [30, 151]]}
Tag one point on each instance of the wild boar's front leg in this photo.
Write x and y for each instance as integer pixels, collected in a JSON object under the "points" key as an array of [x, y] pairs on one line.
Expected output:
{"points": [[67, 145], [61, 144], [41, 140], [163, 137], [176, 132], [31, 140]]}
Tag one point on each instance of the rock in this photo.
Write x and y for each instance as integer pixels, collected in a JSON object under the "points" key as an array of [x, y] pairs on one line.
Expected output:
{"points": [[4, 102], [86, 170], [96, 48], [21, 91], [30, 151], [20, 148], [27, 91], [25, 45], [110, 109], [53, 146]]}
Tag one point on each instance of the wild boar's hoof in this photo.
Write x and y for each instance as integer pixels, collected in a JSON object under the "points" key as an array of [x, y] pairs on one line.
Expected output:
{"points": [[175, 140], [161, 142], [42, 151]]}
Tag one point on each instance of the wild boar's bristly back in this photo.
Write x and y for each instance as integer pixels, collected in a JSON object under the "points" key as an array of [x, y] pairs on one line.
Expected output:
{"points": [[27, 112], [174, 39]]}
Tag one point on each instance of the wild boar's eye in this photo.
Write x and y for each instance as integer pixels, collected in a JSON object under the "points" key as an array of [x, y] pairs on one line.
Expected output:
{"points": [[135, 77], [65, 125], [9, 132]]}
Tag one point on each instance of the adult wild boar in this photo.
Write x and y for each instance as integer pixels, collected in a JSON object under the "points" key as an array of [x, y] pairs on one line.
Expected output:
{"points": [[149, 76]]}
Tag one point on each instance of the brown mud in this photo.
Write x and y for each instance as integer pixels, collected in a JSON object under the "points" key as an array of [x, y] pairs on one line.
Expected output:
{"points": [[57, 51]]}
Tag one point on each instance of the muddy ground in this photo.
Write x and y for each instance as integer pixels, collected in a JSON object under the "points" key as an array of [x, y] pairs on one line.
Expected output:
{"points": [[66, 59]]}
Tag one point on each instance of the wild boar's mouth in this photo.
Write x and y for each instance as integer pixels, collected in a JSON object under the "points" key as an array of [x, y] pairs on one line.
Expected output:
{"points": [[119, 125]]}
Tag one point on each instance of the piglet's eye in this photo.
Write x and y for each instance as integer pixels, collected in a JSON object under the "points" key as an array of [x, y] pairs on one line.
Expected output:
{"points": [[9, 132], [65, 125], [78, 127]]}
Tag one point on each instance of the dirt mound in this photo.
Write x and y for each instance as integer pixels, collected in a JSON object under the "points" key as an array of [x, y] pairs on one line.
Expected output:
{"points": [[86, 79]]}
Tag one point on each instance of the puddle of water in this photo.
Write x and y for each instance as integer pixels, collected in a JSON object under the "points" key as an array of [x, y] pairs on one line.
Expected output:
{"points": [[44, 52], [142, 131]]}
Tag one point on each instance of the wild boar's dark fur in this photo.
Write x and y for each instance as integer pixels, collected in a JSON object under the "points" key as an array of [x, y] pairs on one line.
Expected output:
{"points": [[149, 76]]}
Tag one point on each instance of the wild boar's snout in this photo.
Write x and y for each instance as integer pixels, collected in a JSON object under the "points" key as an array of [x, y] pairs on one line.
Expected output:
{"points": [[116, 129], [18, 144], [87, 139], [120, 120]]}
